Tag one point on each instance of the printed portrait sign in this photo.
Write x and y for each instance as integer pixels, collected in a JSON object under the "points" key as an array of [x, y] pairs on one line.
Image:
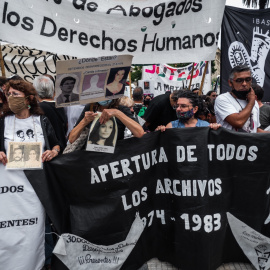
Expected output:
{"points": [[93, 86], [115, 86], [66, 89], [24, 155], [95, 79], [102, 137]]}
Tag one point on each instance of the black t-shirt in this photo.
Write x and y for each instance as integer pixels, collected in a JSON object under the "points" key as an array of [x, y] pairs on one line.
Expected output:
{"points": [[120, 125], [58, 120], [160, 112]]}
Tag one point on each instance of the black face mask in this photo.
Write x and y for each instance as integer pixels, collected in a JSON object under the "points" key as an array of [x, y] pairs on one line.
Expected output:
{"points": [[241, 94]]}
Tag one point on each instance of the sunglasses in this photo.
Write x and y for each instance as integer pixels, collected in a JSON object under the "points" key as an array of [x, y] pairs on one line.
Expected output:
{"points": [[241, 80]]}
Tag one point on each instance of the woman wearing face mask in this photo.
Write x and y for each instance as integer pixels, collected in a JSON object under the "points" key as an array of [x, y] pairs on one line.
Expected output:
{"points": [[108, 109], [187, 110], [23, 113]]}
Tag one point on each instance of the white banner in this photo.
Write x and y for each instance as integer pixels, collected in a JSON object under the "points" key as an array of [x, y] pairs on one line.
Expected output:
{"points": [[153, 31], [255, 245], [157, 79], [29, 63], [22, 223], [77, 253]]}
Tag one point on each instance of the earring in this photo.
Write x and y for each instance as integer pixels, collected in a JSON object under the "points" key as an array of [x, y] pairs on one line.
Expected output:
{"points": [[29, 107]]}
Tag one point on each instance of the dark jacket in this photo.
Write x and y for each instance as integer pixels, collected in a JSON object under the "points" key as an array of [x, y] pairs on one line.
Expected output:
{"points": [[48, 132]]}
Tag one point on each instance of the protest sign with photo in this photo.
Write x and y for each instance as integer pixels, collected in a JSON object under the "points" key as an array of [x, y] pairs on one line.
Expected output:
{"points": [[88, 80], [182, 182], [245, 40], [102, 137], [162, 78], [153, 31], [24, 155]]}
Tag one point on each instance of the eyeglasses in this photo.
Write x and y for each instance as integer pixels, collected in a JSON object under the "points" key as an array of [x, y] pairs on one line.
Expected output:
{"points": [[181, 106], [241, 80], [214, 95]]}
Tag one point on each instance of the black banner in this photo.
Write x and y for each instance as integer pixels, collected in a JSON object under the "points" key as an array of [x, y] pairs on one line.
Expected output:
{"points": [[245, 39], [182, 182]]}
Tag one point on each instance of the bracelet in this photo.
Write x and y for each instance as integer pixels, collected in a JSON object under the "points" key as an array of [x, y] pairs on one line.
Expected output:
{"points": [[56, 150]]}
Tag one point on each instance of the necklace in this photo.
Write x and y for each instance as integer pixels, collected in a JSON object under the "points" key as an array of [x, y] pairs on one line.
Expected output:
{"points": [[35, 133], [237, 101]]}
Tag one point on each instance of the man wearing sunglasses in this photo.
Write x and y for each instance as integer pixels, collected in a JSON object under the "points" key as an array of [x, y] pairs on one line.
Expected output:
{"points": [[238, 110]]}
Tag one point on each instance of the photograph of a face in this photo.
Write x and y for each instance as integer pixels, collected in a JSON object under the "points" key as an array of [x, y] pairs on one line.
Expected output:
{"points": [[24, 155], [102, 137], [66, 89]]}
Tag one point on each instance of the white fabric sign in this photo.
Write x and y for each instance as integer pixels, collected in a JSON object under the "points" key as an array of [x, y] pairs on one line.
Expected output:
{"points": [[151, 30], [255, 245], [22, 223], [29, 63], [78, 254], [164, 78]]}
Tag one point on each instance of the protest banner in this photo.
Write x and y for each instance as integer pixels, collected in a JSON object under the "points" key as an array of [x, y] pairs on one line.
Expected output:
{"points": [[182, 182], [22, 222], [86, 80], [153, 31], [245, 40], [29, 63], [255, 245], [163, 78]]}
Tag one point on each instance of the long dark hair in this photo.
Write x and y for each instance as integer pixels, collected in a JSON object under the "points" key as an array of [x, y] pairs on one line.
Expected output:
{"points": [[30, 94], [114, 72], [94, 135]]}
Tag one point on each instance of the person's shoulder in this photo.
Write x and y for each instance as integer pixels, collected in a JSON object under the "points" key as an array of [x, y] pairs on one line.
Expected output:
{"points": [[223, 96], [202, 123]]}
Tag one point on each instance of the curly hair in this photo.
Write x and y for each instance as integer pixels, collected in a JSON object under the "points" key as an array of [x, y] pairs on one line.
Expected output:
{"points": [[194, 99], [94, 135], [30, 94]]}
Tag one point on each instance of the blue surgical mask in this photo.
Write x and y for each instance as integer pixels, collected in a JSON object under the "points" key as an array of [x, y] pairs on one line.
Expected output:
{"points": [[105, 102], [184, 116]]}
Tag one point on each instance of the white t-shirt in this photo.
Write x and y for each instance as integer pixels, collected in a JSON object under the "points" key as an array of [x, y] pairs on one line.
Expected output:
{"points": [[226, 105], [23, 130]]}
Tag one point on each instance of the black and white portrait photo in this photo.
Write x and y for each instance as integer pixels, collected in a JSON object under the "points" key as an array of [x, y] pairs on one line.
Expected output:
{"points": [[102, 137], [67, 88], [24, 155]]}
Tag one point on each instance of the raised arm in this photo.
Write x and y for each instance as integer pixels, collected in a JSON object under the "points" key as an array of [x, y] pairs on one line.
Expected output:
{"points": [[132, 125], [74, 134]]}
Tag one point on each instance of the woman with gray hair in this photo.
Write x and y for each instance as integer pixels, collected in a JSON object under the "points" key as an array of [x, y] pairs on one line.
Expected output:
{"points": [[45, 89]]}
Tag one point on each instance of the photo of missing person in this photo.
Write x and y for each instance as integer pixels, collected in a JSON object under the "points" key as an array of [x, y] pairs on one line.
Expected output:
{"points": [[102, 137], [24, 155], [146, 85], [66, 88], [93, 86], [33, 157], [116, 81]]}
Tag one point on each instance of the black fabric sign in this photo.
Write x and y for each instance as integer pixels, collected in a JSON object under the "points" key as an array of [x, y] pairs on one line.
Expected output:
{"points": [[182, 182], [245, 39]]}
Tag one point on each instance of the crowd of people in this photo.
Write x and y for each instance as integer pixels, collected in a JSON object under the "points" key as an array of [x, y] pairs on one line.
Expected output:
{"points": [[28, 114]]}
